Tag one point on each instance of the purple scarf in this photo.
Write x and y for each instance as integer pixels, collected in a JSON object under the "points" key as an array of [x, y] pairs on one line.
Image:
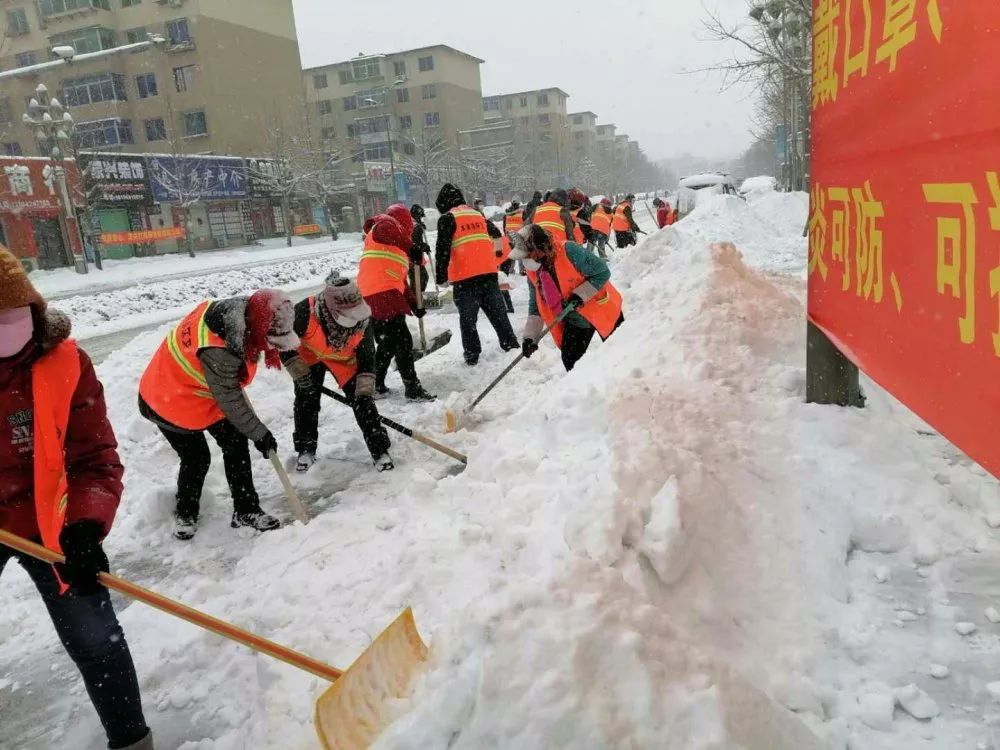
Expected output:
{"points": [[550, 291]]}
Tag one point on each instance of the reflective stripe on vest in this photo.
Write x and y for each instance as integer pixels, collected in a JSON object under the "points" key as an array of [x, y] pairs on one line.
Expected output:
{"points": [[174, 384], [620, 222], [602, 310], [315, 348], [382, 268], [549, 217], [600, 221], [54, 378], [472, 250], [515, 220]]}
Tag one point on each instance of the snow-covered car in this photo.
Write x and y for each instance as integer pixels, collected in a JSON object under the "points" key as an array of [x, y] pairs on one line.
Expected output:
{"points": [[695, 187]]}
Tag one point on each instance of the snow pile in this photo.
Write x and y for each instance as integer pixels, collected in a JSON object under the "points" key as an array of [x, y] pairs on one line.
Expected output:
{"points": [[153, 302], [758, 185], [766, 227]]}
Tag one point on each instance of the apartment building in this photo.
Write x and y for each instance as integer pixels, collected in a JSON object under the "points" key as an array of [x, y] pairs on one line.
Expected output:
{"points": [[418, 100], [604, 146], [538, 126], [227, 68], [583, 135], [621, 151]]}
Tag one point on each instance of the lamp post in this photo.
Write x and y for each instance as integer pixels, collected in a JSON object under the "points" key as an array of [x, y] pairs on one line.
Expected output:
{"points": [[371, 101], [52, 125]]}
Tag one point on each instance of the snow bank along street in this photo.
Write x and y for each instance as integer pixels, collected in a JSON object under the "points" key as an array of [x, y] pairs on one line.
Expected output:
{"points": [[665, 548]]}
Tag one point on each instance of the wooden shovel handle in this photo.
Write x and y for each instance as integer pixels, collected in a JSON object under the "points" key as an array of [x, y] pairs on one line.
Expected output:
{"points": [[171, 607], [293, 497]]}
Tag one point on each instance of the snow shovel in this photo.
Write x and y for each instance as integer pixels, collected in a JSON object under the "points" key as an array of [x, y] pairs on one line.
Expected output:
{"points": [[420, 303], [354, 710], [453, 419], [418, 436], [432, 300], [293, 497]]}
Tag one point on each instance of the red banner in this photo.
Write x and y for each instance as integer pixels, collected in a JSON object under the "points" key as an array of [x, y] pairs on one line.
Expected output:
{"points": [[306, 229], [904, 228], [31, 185], [142, 236]]}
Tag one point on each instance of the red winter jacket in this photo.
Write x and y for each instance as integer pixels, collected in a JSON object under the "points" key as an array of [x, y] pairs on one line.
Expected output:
{"points": [[663, 216], [93, 469]]}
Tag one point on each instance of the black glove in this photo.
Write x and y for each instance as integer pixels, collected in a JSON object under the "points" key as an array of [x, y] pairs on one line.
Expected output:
{"points": [[85, 558], [573, 302], [419, 312], [266, 445], [528, 347]]}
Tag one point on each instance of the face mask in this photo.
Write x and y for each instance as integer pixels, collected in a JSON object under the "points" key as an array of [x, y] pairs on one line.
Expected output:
{"points": [[531, 265], [16, 327]]}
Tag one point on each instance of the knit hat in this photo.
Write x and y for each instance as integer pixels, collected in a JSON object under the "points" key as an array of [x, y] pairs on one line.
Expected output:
{"points": [[15, 288], [402, 215], [270, 319], [343, 301], [387, 231]]}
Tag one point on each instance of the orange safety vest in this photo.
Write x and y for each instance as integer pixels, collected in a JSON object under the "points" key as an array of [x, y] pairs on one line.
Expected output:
{"points": [[472, 251], [174, 383], [620, 223], [577, 229], [602, 310], [600, 221], [314, 348], [382, 268], [515, 220], [54, 378], [549, 217]]}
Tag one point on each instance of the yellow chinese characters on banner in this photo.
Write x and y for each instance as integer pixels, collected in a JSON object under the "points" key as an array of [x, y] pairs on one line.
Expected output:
{"points": [[956, 247], [847, 223], [847, 34]]}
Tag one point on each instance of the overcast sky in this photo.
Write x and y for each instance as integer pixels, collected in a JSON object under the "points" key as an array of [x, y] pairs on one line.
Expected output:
{"points": [[622, 60]]}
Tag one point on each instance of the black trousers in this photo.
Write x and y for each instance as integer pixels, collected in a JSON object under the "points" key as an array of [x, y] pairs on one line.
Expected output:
{"points": [[394, 341], [192, 448], [600, 241], [307, 406], [482, 293], [576, 341], [624, 239], [90, 633]]}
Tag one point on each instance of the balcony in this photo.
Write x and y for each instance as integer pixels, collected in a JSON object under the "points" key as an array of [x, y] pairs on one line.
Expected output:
{"points": [[55, 11]]}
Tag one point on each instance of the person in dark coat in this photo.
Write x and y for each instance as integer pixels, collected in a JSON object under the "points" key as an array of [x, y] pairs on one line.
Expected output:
{"points": [[624, 238], [529, 210], [477, 293], [421, 250], [34, 336]]}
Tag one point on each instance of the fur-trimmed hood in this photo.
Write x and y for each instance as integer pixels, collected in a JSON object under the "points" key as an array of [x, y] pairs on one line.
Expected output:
{"points": [[52, 327]]}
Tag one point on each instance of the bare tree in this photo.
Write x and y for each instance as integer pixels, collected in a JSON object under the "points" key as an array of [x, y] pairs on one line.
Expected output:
{"points": [[432, 162]]}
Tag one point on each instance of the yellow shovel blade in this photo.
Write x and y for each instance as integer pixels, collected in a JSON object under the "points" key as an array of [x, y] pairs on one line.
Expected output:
{"points": [[355, 709], [450, 420]]}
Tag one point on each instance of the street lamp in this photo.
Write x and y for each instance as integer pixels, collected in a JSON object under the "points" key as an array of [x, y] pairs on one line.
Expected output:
{"points": [[52, 125], [372, 102]]}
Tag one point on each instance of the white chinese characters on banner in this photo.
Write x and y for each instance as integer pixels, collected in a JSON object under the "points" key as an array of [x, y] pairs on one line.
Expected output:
{"points": [[19, 180]]}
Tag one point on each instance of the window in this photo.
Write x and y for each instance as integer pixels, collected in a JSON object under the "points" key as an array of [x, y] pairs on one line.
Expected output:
{"points": [[510, 104], [130, 3], [184, 78], [432, 119], [491, 104], [429, 91], [523, 120], [136, 35], [329, 133], [324, 107], [367, 68], [17, 22], [146, 84], [543, 119], [578, 119], [24, 59], [85, 40], [350, 102], [110, 132], [195, 123], [13, 149], [364, 127], [376, 152], [425, 64], [103, 87], [319, 81], [402, 95], [352, 130], [524, 101], [179, 32], [345, 77], [399, 69], [52, 7], [369, 99], [543, 100], [409, 149], [156, 129], [578, 135], [405, 122]]}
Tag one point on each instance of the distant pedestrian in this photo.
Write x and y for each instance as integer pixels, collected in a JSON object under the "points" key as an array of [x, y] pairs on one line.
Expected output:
{"points": [[624, 224], [600, 227], [420, 253]]}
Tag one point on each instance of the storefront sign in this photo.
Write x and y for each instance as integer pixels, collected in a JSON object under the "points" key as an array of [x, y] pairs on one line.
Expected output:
{"points": [[904, 227], [117, 179], [263, 177], [377, 177], [306, 229], [30, 185], [142, 236], [196, 178]]}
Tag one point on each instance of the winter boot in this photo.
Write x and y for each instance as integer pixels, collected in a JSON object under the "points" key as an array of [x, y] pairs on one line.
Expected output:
{"points": [[146, 743], [472, 360], [185, 526], [384, 463], [305, 462], [256, 519], [511, 345], [381, 391], [416, 392]]}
